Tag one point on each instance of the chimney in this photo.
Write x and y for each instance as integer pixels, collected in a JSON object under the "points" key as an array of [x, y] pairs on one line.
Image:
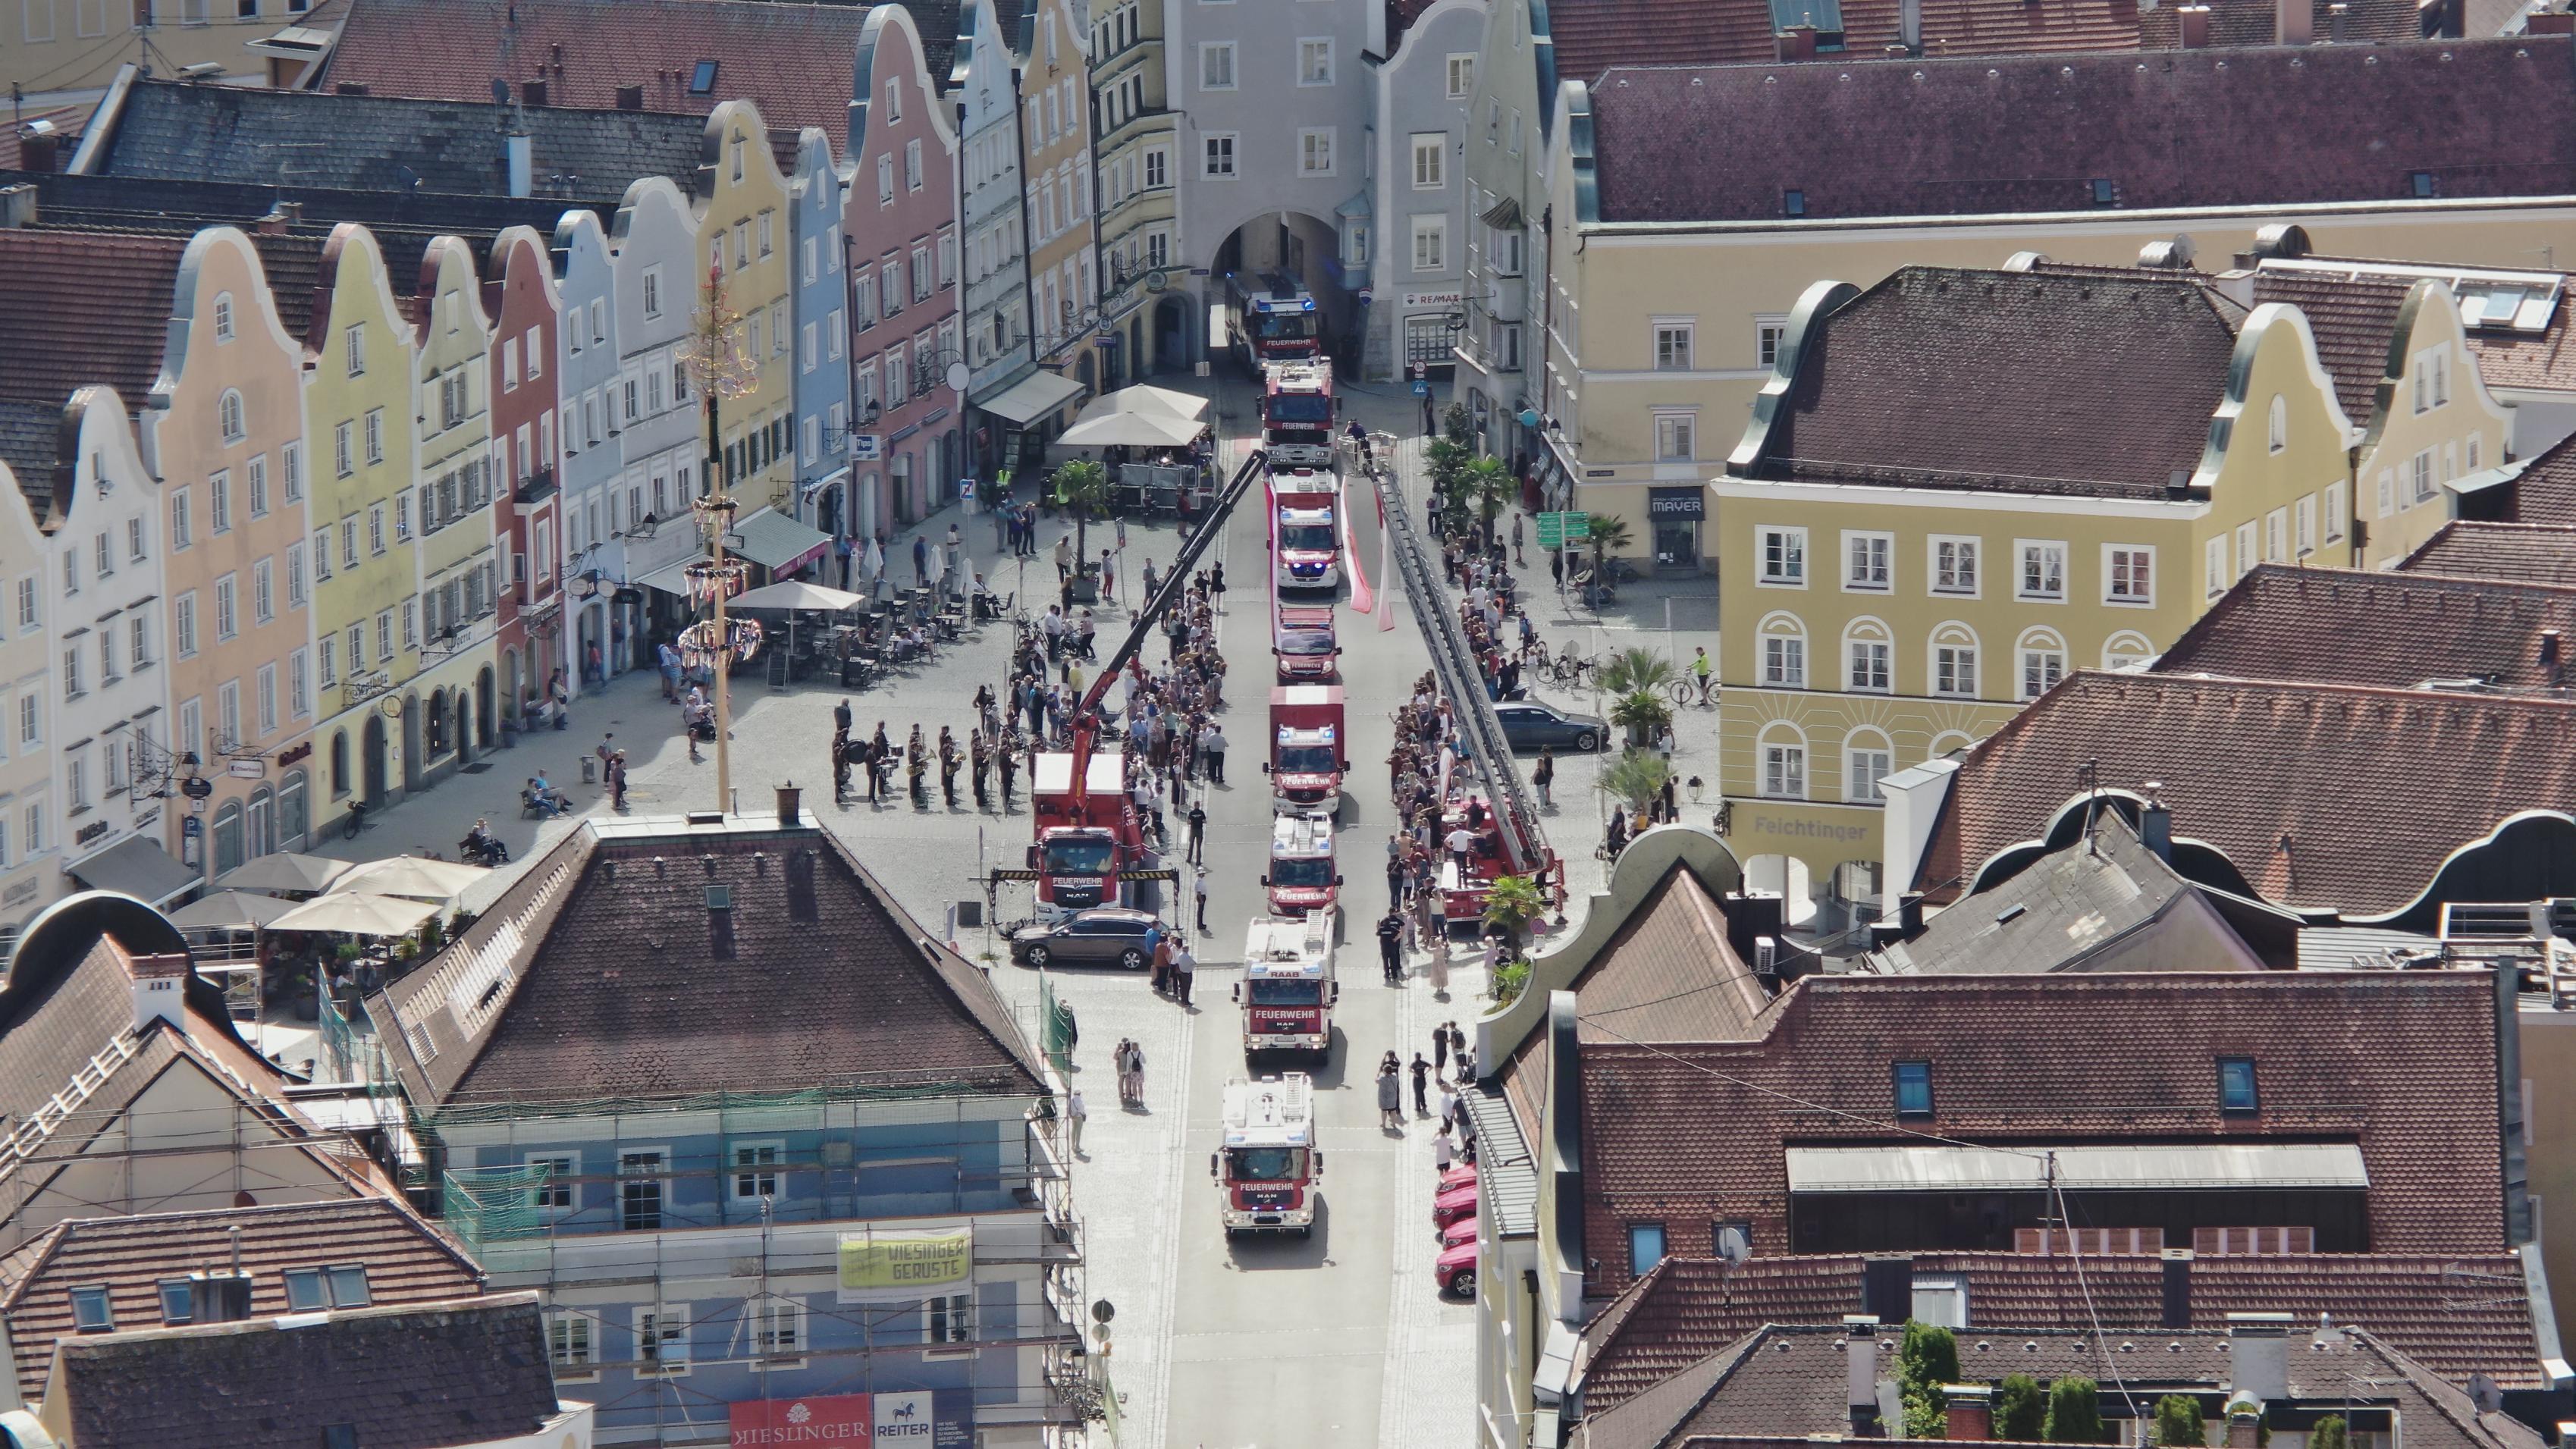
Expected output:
{"points": [[2155, 823], [294, 211], [1798, 42], [37, 153], [532, 93], [521, 157], [1971, 1412], [1909, 25], [161, 990], [17, 206], [2336, 16], [2258, 1359], [273, 224], [1860, 1368], [2177, 1304], [789, 797], [2294, 22], [630, 98], [2244, 1426], [2195, 26]]}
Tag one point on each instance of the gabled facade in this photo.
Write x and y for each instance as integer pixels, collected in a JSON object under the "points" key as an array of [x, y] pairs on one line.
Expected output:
{"points": [[601, 478], [2129, 444], [822, 337], [1137, 154], [29, 878], [1419, 124], [663, 453], [526, 312], [993, 220], [1055, 155], [743, 237], [227, 419], [1511, 106], [903, 282], [451, 612]]}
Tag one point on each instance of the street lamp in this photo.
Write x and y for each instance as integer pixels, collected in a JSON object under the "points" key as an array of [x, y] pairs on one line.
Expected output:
{"points": [[716, 362]]}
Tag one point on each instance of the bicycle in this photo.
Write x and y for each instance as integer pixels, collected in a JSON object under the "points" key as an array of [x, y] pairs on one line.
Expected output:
{"points": [[357, 820], [1569, 667], [1690, 689]]}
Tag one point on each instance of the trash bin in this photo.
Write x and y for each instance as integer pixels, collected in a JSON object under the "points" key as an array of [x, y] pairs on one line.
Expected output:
{"points": [[590, 769]]}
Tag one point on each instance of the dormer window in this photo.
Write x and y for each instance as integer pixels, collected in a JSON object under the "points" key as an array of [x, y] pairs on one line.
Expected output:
{"points": [[90, 1311]]}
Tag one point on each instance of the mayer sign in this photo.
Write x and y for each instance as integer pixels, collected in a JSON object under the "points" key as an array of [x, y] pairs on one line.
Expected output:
{"points": [[928, 1418]]}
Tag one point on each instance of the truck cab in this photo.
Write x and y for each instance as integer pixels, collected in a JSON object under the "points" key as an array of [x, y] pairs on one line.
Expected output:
{"points": [[1288, 989], [1266, 1165], [1302, 876], [1297, 411], [1302, 644], [1306, 763], [1306, 544], [1081, 847]]}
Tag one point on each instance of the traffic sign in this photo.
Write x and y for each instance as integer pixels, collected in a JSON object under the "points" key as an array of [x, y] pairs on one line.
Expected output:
{"points": [[966, 490], [1421, 388], [1556, 530]]}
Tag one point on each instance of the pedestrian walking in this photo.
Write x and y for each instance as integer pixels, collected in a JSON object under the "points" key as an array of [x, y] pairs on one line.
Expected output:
{"points": [[1212, 745], [1394, 874], [1064, 559], [1390, 1096], [1390, 947], [669, 659], [1517, 556], [1162, 958], [1185, 971], [1440, 1052], [1200, 888], [1458, 1049], [1544, 776], [1442, 1153], [617, 781], [1216, 586], [1198, 834], [1075, 1115], [1448, 1106], [1440, 969], [1421, 1079], [1108, 577]]}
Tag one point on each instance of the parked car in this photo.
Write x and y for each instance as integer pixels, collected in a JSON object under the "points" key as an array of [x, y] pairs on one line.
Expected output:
{"points": [[1455, 1270], [1102, 936], [1452, 1204], [1463, 1172], [1461, 1231], [1530, 725]]}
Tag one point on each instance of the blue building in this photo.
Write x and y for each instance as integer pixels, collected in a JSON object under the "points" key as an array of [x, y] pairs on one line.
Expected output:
{"points": [[768, 1152], [822, 339], [594, 554]]}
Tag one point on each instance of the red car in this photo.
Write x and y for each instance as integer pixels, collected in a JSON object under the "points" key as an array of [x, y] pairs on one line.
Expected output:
{"points": [[1461, 1231], [1463, 1172], [1456, 1270], [1452, 1204]]}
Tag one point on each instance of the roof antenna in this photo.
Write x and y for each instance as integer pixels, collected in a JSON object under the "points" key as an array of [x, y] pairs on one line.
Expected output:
{"points": [[2088, 778]]}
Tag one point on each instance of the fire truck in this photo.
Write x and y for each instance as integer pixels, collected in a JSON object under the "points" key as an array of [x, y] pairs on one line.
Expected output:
{"points": [[1267, 1164], [1301, 643], [1287, 990], [1306, 543], [1306, 740], [1086, 839], [1271, 317], [1301, 874], [1297, 411]]}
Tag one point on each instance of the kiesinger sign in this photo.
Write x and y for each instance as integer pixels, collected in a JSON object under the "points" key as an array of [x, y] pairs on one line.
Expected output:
{"points": [[927, 1418], [881, 1265]]}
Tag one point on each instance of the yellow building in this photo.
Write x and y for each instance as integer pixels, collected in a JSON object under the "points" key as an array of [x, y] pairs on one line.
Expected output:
{"points": [[445, 523], [1687, 207], [51, 46], [1055, 162], [1137, 148], [1960, 485], [363, 451], [741, 205]]}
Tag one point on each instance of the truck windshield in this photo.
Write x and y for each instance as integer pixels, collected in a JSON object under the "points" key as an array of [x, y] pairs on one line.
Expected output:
{"points": [[1284, 326], [1305, 642], [1265, 1164], [1307, 537], [1306, 759], [1286, 993], [1312, 409], [1079, 855], [1303, 871]]}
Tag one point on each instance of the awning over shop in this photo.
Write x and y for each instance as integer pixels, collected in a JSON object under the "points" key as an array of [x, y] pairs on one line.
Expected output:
{"points": [[837, 475], [673, 579], [777, 542], [1033, 396], [2148, 1168], [137, 866]]}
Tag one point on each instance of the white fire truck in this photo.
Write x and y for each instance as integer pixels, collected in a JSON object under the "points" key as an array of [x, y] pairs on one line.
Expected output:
{"points": [[1287, 990], [1268, 1164]]}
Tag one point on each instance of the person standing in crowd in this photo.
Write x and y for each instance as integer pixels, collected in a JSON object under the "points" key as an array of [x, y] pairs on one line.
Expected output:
{"points": [[1198, 833], [1200, 888], [1185, 968], [1390, 947], [669, 659], [1390, 1095], [1442, 1153], [1544, 776], [1212, 746], [1075, 1115], [1421, 1079]]}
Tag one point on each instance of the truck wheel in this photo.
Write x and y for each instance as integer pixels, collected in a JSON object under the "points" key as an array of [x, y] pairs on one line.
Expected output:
{"points": [[1586, 742], [1131, 958], [1463, 1283], [1038, 956]]}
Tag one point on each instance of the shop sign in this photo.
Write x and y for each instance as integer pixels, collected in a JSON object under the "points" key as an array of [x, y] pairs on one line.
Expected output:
{"points": [[92, 831], [913, 1263], [1677, 503], [928, 1418], [247, 769], [290, 756], [1424, 301]]}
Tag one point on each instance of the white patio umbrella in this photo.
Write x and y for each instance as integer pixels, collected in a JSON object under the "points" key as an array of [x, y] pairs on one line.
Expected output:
{"points": [[1133, 430], [1147, 398], [356, 913], [412, 876], [796, 594], [283, 871], [875, 562], [232, 910]]}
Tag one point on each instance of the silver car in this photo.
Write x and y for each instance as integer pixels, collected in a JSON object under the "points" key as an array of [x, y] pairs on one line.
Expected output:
{"points": [[1102, 936]]}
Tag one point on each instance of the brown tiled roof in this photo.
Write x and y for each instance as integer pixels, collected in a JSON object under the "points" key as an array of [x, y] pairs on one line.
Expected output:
{"points": [[2248, 764], [83, 307], [407, 1261], [1788, 1381], [2545, 363], [414, 1377], [623, 981], [1591, 36], [2452, 1315], [2098, 383], [2272, 127], [2351, 626], [2533, 553], [792, 61], [2353, 320], [68, 122], [2403, 1066], [1671, 969], [2546, 490], [2257, 22]]}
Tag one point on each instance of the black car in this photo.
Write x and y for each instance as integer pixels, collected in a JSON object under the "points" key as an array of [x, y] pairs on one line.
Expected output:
{"points": [[1103, 936], [1529, 725]]}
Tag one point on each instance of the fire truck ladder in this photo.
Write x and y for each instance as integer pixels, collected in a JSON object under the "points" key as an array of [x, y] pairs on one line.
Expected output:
{"points": [[1175, 584], [1455, 666]]}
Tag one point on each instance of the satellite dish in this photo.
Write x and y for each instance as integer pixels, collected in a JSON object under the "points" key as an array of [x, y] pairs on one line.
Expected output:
{"points": [[2488, 1397]]}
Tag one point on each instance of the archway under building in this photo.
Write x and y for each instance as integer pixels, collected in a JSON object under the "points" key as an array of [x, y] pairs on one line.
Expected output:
{"points": [[1261, 252], [1789, 878]]}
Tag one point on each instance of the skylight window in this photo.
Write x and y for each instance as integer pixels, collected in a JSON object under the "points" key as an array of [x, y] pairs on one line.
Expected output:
{"points": [[2421, 182], [90, 1312], [1793, 202], [2104, 193], [702, 78]]}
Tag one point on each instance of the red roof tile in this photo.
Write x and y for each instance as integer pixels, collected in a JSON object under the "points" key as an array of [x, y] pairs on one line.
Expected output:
{"points": [[2272, 127], [1591, 36], [2350, 626], [2455, 1315], [793, 61], [2536, 553], [2352, 319], [2257, 22], [2546, 490], [2248, 765], [79, 308], [2402, 1066]]}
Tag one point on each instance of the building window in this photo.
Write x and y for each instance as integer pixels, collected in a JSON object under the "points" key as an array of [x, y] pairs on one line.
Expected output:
{"points": [[949, 1319], [1314, 62], [2128, 574], [1865, 561], [778, 1328], [570, 1344], [354, 349], [228, 417], [2334, 512], [223, 316], [1315, 151], [1784, 657], [311, 1289], [1676, 437], [1868, 661], [755, 1170], [1645, 1247], [1864, 767], [2236, 1086], [1954, 663], [2042, 666], [1462, 76], [2280, 422], [90, 1311], [1673, 346], [1216, 66], [639, 1188], [1430, 243], [1784, 770], [1941, 1299], [1220, 154], [2305, 536], [1781, 556], [662, 1340], [1430, 155], [1913, 1089], [2043, 570], [1954, 566], [552, 1192]]}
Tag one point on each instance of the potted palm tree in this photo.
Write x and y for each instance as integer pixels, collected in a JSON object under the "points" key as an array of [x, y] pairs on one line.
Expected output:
{"points": [[1489, 488], [1637, 678], [1082, 488], [1512, 903], [1608, 535], [1636, 779]]}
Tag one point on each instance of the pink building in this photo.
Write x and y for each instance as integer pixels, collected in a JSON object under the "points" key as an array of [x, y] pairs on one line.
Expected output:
{"points": [[519, 293], [899, 215]]}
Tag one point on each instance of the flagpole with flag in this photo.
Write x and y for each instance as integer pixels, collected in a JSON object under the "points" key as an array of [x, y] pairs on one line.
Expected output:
{"points": [[1385, 563]]}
